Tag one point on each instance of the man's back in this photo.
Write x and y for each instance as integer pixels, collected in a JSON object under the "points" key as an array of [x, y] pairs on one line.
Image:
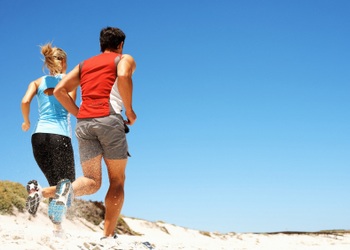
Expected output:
{"points": [[97, 76]]}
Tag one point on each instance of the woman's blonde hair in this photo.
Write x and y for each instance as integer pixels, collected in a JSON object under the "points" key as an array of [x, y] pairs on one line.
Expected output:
{"points": [[53, 58]]}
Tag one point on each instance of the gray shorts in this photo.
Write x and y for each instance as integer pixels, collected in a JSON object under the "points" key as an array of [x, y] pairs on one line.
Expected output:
{"points": [[104, 135]]}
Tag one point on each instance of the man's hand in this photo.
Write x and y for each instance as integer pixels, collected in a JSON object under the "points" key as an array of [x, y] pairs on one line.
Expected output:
{"points": [[131, 117]]}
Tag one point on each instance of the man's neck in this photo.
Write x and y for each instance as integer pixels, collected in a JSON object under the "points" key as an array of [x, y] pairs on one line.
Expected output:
{"points": [[113, 51]]}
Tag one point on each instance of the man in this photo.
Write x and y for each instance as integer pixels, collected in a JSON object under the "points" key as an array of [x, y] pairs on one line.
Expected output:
{"points": [[106, 86]]}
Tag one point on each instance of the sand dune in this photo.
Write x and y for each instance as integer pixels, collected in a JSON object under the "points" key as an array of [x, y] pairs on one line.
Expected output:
{"points": [[22, 231]]}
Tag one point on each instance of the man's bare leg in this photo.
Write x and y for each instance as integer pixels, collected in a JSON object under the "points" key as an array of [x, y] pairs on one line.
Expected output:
{"points": [[115, 196], [90, 183]]}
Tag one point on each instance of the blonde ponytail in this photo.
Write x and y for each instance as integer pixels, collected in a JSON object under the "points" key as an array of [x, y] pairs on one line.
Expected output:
{"points": [[53, 58]]}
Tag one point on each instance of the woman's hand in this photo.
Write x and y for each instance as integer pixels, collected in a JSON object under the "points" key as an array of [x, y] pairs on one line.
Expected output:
{"points": [[25, 126]]}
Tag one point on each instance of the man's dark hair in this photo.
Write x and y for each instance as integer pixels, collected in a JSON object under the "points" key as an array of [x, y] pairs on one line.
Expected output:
{"points": [[110, 38]]}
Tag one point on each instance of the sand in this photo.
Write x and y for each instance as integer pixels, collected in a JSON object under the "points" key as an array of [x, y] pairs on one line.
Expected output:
{"points": [[22, 231]]}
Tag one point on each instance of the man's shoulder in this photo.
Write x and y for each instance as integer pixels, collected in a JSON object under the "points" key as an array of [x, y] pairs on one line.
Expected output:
{"points": [[128, 62], [127, 56]]}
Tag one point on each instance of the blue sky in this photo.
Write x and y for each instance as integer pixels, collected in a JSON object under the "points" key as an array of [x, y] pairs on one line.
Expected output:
{"points": [[243, 106]]}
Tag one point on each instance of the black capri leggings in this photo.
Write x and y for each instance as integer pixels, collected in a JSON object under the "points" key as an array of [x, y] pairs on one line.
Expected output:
{"points": [[54, 155]]}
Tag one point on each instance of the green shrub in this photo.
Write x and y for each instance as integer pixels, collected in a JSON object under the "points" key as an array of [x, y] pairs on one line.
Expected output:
{"points": [[12, 195]]}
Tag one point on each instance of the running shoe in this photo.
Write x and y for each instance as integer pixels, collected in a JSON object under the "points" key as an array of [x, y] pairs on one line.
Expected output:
{"points": [[70, 197], [108, 242], [34, 196], [58, 205], [112, 242], [147, 245], [114, 237]]}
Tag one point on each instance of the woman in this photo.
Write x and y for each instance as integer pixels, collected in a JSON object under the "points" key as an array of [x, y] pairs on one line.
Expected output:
{"points": [[51, 139]]}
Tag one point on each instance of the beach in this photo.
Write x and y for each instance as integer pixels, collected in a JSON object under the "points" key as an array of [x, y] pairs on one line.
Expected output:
{"points": [[22, 231]]}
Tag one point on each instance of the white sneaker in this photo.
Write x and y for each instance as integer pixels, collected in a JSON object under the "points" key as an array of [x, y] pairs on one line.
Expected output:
{"points": [[108, 242], [34, 196]]}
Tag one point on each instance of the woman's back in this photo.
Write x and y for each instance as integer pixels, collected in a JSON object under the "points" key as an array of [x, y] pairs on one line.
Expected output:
{"points": [[53, 117]]}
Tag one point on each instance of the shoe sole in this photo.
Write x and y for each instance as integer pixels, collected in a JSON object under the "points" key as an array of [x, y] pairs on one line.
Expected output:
{"points": [[32, 203], [34, 182], [58, 205], [33, 199]]}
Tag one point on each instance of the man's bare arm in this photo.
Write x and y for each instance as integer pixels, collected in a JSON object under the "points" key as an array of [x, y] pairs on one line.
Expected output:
{"points": [[67, 85], [125, 69]]}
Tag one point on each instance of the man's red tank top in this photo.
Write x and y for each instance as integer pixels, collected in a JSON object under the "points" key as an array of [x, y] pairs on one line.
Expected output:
{"points": [[97, 76]]}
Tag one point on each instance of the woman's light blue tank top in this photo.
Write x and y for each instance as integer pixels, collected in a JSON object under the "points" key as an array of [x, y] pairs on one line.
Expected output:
{"points": [[53, 117]]}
